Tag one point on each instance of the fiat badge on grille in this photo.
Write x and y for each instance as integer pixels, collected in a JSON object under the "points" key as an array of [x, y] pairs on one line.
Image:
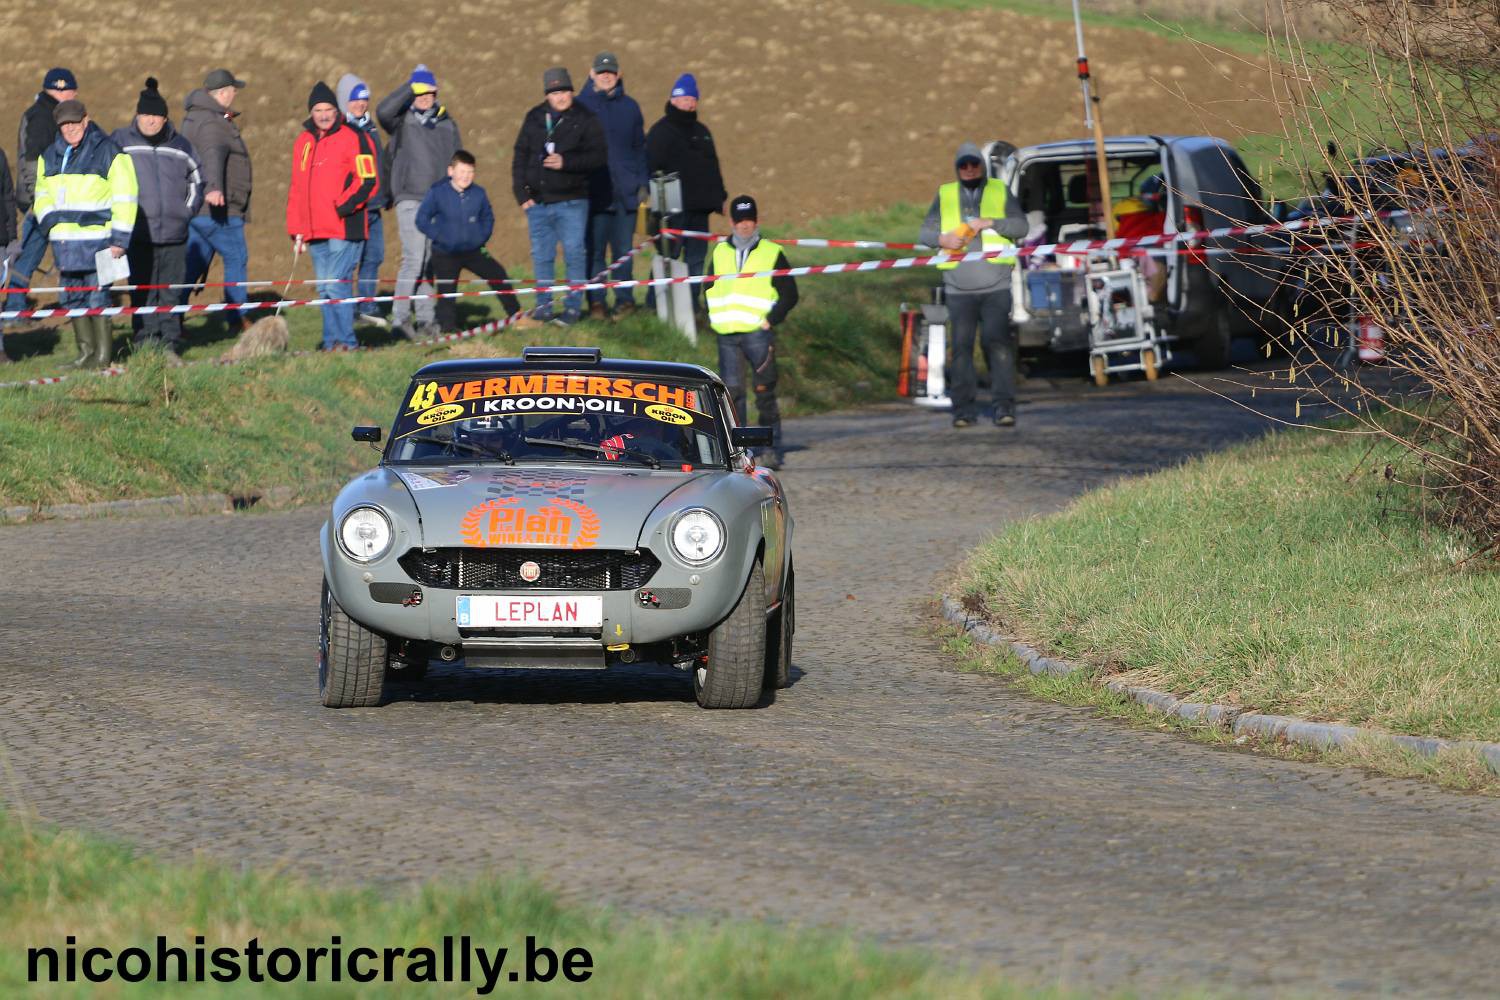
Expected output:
{"points": [[530, 571]]}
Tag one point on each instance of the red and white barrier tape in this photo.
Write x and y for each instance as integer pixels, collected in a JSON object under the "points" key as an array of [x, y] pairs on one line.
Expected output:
{"points": [[691, 234]]}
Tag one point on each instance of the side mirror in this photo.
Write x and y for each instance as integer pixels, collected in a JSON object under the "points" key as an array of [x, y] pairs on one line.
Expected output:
{"points": [[750, 437], [370, 434]]}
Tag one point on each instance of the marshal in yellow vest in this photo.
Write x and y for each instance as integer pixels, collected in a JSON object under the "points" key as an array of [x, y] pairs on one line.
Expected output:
{"points": [[991, 206], [740, 305]]}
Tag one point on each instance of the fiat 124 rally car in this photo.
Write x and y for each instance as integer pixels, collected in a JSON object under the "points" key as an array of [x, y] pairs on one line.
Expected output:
{"points": [[560, 510]]}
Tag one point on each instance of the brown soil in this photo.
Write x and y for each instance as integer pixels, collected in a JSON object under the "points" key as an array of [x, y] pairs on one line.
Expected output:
{"points": [[818, 109]]}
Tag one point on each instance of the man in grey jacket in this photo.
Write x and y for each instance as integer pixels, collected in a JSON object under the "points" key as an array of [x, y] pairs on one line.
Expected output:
{"points": [[969, 214], [171, 192], [219, 227], [423, 141]]}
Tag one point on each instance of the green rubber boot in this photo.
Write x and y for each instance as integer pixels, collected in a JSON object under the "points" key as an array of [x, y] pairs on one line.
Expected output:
{"points": [[83, 332], [104, 341]]}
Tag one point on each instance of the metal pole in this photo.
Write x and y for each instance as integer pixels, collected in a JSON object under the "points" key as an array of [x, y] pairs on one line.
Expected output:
{"points": [[1091, 119]]}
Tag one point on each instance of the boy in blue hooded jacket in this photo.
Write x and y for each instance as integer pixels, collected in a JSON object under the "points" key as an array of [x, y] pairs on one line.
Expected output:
{"points": [[456, 217]]}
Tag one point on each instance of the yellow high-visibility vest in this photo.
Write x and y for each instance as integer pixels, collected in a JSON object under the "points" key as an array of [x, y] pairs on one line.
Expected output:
{"points": [[991, 206], [739, 305]]}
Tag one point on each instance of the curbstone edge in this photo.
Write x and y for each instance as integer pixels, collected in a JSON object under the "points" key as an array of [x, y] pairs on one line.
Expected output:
{"points": [[1239, 721]]}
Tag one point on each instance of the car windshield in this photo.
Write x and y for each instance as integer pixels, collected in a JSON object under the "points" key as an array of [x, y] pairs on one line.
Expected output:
{"points": [[557, 417]]}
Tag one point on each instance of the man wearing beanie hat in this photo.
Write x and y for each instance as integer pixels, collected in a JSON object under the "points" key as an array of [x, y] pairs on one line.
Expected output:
{"points": [[334, 177], [85, 204], [559, 145], [745, 312], [219, 228], [423, 141], [170, 180], [614, 189], [38, 130], [354, 102], [977, 293], [681, 144]]}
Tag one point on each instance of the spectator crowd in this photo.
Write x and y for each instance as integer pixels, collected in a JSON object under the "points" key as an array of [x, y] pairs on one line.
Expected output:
{"points": [[170, 198]]}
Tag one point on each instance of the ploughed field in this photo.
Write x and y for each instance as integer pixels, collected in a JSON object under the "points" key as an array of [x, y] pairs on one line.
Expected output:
{"points": [[817, 109]]}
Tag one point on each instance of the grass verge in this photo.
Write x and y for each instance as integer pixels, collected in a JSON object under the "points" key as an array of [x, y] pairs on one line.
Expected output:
{"points": [[284, 421], [53, 885], [1281, 576]]}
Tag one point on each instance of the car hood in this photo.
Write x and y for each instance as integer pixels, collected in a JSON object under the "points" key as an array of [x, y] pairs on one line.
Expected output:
{"points": [[545, 508]]}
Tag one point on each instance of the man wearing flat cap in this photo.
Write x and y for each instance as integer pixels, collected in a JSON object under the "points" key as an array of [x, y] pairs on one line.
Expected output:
{"points": [[219, 227], [38, 129], [85, 203], [559, 145]]}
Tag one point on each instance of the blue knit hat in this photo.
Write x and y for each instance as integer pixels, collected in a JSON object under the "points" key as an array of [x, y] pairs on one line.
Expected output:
{"points": [[422, 80], [686, 86], [360, 92]]}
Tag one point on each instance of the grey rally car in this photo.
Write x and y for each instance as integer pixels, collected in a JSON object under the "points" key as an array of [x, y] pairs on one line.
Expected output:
{"points": [[560, 510]]}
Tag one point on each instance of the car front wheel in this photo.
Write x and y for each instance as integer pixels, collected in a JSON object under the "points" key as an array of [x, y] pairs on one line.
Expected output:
{"points": [[736, 652], [351, 659]]}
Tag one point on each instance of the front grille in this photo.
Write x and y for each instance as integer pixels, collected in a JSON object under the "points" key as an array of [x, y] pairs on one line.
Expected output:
{"points": [[500, 569]]}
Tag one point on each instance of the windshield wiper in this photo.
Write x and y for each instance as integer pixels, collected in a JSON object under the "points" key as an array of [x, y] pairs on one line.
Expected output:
{"points": [[594, 449], [473, 446]]}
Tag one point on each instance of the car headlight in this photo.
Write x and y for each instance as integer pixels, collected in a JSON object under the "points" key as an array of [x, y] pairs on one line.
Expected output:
{"points": [[365, 534], [697, 536]]}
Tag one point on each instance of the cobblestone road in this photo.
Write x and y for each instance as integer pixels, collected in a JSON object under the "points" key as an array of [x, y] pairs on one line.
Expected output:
{"points": [[160, 687]]}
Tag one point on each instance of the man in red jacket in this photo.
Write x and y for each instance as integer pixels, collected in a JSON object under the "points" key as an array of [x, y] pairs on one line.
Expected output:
{"points": [[333, 179]]}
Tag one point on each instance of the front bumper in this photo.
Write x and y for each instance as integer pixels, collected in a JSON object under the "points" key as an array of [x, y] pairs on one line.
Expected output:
{"points": [[676, 600]]}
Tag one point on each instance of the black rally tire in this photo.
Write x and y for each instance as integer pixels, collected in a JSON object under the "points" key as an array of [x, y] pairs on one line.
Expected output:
{"points": [[351, 659], [736, 652], [780, 628], [1215, 342]]}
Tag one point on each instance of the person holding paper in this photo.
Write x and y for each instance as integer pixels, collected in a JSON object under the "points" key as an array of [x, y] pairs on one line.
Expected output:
{"points": [[85, 204]]}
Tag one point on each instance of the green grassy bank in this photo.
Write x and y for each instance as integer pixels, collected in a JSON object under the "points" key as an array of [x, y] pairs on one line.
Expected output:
{"points": [[1283, 575], [284, 421], [53, 885]]}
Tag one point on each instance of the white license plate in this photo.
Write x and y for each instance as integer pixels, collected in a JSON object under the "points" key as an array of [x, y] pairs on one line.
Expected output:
{"points": [[529, 611]]}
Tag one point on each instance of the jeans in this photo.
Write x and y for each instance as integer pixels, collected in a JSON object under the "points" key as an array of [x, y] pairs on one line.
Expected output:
{"points": [[987, 313], [33, 249], [336, 260], [561, 222], [156, 264], [208, 236], [414, 253], [445, 269], [755, 353], [74, 295], [610, 236], [370, 259]]}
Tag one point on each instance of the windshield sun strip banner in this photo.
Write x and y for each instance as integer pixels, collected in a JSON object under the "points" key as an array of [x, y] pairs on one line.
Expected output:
{"points": [[433, 403]]}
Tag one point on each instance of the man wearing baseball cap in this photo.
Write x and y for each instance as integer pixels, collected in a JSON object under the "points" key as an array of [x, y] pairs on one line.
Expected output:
{"points": [[219, 227], [354, 103], [38, 130], [423, 141], [745, 312], [86, 197], [559, 145], [614, 189]]}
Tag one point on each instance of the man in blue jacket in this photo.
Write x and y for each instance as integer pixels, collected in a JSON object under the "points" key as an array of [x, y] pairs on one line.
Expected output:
{"points": [[614, 189], [457, 219]]}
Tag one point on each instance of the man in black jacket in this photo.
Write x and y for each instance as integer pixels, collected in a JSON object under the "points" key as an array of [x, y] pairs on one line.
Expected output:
{"points": [[37, 132], [679, 143], [560, 144]]}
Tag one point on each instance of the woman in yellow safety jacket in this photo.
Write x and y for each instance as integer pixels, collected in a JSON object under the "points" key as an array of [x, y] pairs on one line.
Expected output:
{"points": [[85, 202]]}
